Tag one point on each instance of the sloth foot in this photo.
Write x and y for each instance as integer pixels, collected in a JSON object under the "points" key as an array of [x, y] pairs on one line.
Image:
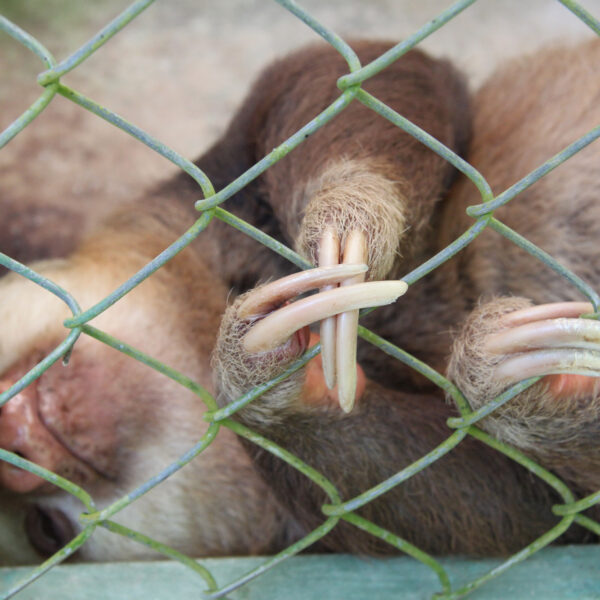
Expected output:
{"points": [[356, 214], [264, 330], [555, 420], [336, 307], [509, 340]]}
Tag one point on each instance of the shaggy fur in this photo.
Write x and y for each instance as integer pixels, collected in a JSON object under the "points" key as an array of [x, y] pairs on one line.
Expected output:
{"points": [[352, 195]]}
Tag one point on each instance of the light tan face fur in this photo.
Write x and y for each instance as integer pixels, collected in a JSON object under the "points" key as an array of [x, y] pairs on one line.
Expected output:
{"points": [[158, 420]]}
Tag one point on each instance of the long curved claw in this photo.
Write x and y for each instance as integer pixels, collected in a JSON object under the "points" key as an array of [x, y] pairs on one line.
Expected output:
{"points": [[549, 333], [339, 334], [547, 311], [548, 362], [547, 340], [355, 250], [278, 326], [273, 294], [329, 254]]}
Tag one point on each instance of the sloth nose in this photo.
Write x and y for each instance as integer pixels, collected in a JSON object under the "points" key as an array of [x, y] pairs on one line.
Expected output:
{"points": [[22, 432]]}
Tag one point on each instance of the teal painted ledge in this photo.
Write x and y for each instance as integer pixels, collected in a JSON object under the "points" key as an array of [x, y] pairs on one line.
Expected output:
{"points": [[561, 573]]}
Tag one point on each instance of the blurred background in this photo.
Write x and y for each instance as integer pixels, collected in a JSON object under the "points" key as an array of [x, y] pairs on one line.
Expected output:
{"points": [[181, 68]]}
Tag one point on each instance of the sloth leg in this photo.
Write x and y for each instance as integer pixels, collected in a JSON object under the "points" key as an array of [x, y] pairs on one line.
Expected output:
{"points": [[460, 504]]}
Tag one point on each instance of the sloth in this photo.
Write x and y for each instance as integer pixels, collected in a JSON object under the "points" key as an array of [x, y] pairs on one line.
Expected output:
{"points": [[519, 320], [109, 423], [365, 202]]}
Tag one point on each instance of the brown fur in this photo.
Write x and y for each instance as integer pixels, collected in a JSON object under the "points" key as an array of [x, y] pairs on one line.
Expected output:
{"points": [[338, 198], [516, 131], [287, 95], [26, 234], [474, 499], [427, 92]]}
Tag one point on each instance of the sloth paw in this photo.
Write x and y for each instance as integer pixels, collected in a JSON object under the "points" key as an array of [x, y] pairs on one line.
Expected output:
{"points": [[509, 340], [263, 331], [549, 339], [355, 215]]}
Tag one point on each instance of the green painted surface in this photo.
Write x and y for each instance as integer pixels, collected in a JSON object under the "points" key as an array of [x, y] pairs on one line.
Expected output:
{"points": [[554, 574]]}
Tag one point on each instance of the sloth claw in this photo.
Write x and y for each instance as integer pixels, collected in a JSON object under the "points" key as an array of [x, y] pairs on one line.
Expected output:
{"points": [[546, 311], [549, 362], [329, 255], [545, 346], [549, 333], [355, 250], [270, 296], [338, 334], [276, 328]]}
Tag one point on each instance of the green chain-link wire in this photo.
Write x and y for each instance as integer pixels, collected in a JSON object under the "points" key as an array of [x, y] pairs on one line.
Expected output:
{"points": [[571, 508]]}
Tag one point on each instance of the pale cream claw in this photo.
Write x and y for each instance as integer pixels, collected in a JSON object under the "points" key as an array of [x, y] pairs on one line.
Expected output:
{"points": [[355, 249], [278, 326], [271, 295], [542, 312], [329, 254], [548, 362], [550, 333]]}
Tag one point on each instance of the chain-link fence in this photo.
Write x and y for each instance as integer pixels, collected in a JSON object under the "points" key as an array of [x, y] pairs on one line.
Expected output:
{"points": [[210, 208]]}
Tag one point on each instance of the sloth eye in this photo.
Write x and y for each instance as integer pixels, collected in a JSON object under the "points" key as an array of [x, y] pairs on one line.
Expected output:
{"points": [[48, 529]]}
